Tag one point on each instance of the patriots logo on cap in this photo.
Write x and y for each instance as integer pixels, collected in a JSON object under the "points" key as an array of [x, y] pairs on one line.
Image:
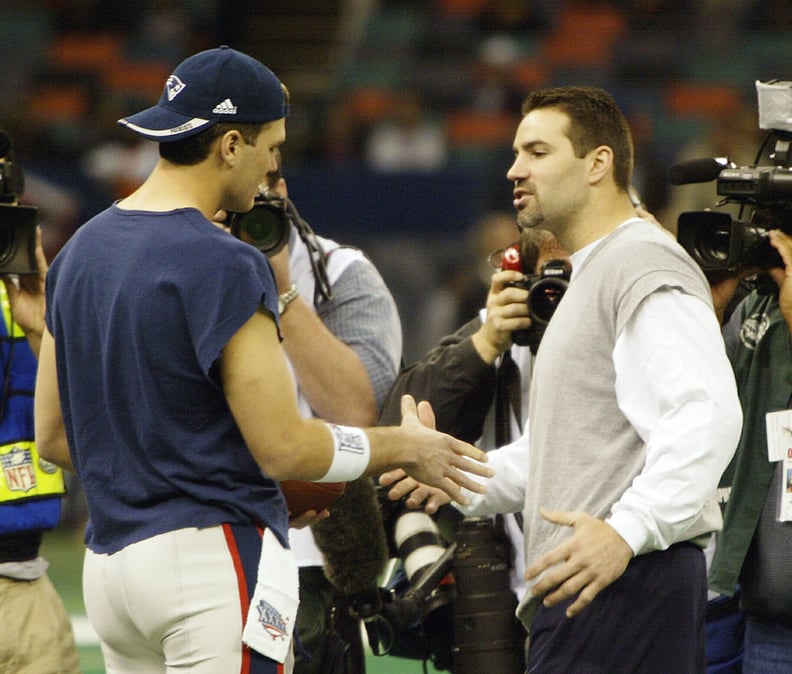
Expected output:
{"points": [[173, 86]]}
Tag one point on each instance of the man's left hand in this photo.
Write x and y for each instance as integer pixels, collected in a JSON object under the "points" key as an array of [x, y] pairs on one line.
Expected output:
{"points": [[26, 295], [308, 518], [583, 565]]}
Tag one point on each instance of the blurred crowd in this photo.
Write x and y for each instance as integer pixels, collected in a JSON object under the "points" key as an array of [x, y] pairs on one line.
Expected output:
{"points": [[414, 88]]}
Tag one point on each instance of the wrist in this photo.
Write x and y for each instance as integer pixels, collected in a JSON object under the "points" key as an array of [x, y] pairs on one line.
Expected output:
{"points": [[285, 299], [351, 454], [486, 350]]}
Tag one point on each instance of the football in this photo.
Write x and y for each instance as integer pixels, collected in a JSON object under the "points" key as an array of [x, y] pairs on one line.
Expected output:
{"points": [[302, 495]]}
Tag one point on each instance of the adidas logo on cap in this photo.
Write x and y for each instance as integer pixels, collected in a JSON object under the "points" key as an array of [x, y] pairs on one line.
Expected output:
{"points": [[226, 107]]}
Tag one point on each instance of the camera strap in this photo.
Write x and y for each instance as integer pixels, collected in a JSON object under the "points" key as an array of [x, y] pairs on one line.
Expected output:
{"points": [[507, 399]]}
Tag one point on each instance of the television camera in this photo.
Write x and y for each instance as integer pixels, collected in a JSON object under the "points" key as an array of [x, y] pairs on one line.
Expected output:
{"points": [[715, 240], [17, 221]]}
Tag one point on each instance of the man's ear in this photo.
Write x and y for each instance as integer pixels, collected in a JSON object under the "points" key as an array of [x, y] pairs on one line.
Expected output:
{"points": [[228, 146], [601, 163]]}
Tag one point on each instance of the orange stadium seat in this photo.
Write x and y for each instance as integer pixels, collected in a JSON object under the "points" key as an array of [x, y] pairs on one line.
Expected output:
{"points": [[59, 102], [95, 51], [467, 128], [141, 78], [694, 99]]}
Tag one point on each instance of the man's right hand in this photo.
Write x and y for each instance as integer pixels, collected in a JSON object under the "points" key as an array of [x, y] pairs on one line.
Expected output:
{"points": [[415, 493], [438, 459], [402, 485], [507, 311]]}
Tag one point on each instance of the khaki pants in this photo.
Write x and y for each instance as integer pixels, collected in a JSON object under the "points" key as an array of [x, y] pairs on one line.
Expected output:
{"points": [[36, 635]]}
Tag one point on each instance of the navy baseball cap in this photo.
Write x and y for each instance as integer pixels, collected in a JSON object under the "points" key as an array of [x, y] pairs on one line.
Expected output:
{"points": [[216, 85]]}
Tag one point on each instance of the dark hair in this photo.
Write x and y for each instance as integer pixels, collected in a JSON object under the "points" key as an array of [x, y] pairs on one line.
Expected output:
{"points": [[195, 149], [595, 120]]}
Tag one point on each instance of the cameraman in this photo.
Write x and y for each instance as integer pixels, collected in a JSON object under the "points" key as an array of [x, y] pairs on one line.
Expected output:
{"points": [[37, 632], [344, 351], [755, 545]]}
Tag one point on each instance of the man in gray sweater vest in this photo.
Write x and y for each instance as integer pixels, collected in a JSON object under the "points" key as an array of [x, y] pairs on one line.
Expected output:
{"points": [[633, 413]]}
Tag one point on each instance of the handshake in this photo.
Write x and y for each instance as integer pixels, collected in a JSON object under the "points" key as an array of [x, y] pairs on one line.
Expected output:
{"points": [[429, 491]]}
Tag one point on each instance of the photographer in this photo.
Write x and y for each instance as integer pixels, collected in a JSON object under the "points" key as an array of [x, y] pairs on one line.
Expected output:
{"points": [[755, 545], [37, 632], [477, 382], [342, 337]]}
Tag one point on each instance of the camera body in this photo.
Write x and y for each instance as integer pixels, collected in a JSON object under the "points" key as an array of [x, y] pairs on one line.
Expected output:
{"points": [[267, 225], [17, 222], [545, 291], [715, 240]]}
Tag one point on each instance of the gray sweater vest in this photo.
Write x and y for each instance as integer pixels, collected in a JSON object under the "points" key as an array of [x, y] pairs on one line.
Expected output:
{"points": [[584, 453]]}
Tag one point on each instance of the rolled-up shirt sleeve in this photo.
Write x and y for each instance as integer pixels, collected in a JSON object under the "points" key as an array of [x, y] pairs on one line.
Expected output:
{"points": [[676, 386]]}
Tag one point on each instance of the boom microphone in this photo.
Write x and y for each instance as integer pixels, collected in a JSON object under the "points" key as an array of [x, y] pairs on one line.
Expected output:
{"points": [[353, 542], [698, 170]]}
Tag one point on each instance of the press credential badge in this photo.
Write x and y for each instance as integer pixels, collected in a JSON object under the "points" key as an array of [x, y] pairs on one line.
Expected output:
{"points": [[779, 448]]}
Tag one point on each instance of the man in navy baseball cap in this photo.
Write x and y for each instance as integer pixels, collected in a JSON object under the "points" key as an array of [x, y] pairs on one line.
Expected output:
{"points": [[180, 322], [216, 85]]}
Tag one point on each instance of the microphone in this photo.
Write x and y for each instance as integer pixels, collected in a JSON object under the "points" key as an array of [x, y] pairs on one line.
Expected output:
{"points": [[354, 545], [698, 170]]}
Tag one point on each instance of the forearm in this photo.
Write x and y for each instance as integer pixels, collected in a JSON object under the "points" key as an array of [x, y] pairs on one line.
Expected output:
{"points": [[260, 394], [666, 501], [505, 492], [50, 430], [454, 378], [34, 341], [330, 374]]}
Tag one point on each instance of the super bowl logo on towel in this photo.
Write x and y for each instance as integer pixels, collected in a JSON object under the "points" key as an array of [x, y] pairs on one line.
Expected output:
{"points": [[18, 470], [272, 620]]}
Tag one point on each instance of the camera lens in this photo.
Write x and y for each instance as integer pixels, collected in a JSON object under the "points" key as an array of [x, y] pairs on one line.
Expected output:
{"points": [[418, 541], [18, 239], [7, 242], [544, 298], [487, 635], [714, 244], [264, 228]]}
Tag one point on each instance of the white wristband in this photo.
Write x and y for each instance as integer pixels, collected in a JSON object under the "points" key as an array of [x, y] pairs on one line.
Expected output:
{"points": [[351, 454]]}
